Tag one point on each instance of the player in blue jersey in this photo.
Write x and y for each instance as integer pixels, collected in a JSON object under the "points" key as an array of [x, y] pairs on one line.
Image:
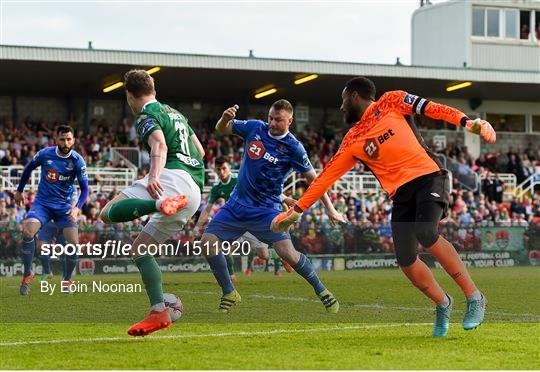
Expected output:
{"points": [[271, 153], [60, 166]]}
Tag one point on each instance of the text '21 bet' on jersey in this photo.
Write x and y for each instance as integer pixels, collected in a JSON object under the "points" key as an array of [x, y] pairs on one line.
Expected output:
{"points": [[267, 161]]}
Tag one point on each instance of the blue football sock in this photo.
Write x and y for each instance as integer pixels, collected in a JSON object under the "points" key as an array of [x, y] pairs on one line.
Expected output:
{"points": [[63, 261], [45, 263], [63, 264], [305, 268], [71, 262], [29, 248], [218, 264]]}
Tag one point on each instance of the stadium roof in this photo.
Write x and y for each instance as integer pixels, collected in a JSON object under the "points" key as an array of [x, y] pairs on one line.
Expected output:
{"points": [[30, 70]]}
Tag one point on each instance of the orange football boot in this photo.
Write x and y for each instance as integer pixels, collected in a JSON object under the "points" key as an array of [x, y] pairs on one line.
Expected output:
{"points": [[155, 321], [173, 204]]}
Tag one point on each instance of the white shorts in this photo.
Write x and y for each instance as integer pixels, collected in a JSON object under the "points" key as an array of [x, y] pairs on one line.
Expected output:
{"points": [[174, 182], [252, 240]]}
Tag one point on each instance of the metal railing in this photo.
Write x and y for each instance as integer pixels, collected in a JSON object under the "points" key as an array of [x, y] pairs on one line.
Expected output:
{"points": [[131, 155], [509, 181], [99, 179], [467, 178], [352, 182], [527, 186]]}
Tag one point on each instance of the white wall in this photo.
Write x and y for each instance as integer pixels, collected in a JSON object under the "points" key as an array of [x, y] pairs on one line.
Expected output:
{"points": [[506, 56], [441, 34]]}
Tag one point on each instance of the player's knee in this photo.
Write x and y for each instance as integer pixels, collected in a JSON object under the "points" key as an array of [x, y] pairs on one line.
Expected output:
{"points": [[27, 235], [427, 234], [405, 259], [103, 215]]}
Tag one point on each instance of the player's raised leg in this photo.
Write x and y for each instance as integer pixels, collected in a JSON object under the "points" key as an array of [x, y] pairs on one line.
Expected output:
{"points": [[304, 268], [211, 248], [446, 254], [123, 209]]}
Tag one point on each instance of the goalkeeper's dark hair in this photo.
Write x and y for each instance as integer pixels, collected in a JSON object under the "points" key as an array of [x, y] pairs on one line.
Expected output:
{"points": [[220, 160], [363, 86], [139, 83], [61, 129]]}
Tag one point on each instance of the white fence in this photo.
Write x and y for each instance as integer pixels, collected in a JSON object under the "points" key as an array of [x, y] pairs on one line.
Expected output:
{"points": [[352, 183], [99, 179], [527, 186]]}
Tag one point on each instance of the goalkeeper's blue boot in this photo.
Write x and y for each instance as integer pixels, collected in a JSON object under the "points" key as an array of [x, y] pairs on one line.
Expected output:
{"points": [[442, 318], [476, 309]]}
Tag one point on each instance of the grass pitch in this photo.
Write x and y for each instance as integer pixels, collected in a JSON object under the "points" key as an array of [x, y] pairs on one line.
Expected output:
{"points": [[384, 323]]}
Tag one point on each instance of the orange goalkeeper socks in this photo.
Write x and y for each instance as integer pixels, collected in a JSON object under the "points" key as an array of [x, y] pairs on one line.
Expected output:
{"points": [[421, 276], [449, 259]]}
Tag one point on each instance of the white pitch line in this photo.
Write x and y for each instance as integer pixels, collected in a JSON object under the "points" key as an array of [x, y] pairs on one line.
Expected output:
{"points": [[223, 334], [367, 306]]}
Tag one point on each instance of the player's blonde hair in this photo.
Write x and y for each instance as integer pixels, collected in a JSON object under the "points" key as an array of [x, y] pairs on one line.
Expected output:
{"points": [[139, 83]]}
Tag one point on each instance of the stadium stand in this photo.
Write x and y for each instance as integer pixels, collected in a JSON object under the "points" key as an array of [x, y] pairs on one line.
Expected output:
{"points": [[368, 229]]}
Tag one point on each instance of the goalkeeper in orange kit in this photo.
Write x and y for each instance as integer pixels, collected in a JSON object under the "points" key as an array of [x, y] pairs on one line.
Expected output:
{"points": [[392, 148]]}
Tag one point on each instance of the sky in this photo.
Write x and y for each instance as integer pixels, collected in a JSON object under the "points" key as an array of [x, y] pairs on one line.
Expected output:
{"points": [[364, 31]]}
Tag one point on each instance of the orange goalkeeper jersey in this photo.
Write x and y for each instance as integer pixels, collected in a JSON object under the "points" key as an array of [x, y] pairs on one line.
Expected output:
{"points": [[385, 141]]}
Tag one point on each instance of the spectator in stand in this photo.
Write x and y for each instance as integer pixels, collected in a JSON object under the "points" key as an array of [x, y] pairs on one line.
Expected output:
{"points": [[122, 164], [514, 166]]}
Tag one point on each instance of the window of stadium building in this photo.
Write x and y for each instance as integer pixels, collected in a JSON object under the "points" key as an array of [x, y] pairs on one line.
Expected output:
{"points": [[511, 23], [536, 123], [507, 123], [524, 25], [492, 22], [499, 23], [486, 22], [478, 21]]}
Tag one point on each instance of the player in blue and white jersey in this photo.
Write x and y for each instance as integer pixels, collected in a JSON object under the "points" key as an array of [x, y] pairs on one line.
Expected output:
{"points": [[271, 152], [60, 167]]}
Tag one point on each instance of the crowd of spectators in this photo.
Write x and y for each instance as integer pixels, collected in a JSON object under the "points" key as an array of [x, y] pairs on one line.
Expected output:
{"points": [[368, 229]]}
